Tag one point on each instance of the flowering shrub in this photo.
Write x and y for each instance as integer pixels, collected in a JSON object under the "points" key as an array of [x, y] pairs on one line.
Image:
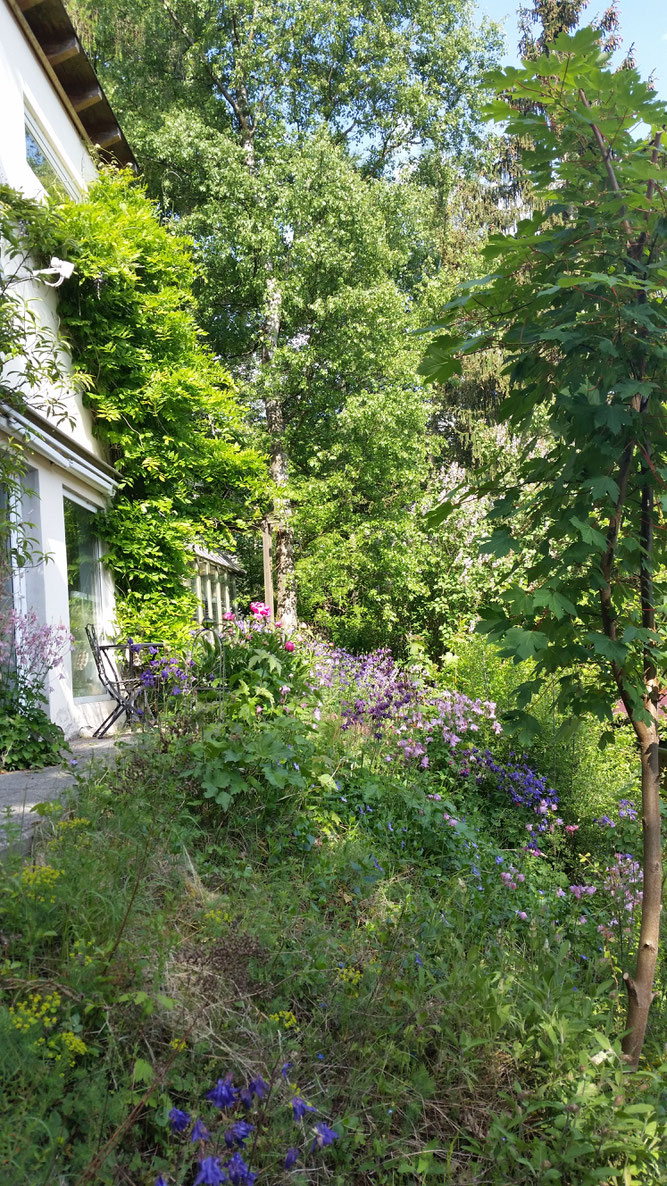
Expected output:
{"points": [[516, 784], [396, 707], [243, 1116], [250, 664], [29, 650], [168, 675]]}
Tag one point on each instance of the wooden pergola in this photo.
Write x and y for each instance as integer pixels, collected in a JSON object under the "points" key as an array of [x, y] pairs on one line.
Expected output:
{"points": [[214, 584]]}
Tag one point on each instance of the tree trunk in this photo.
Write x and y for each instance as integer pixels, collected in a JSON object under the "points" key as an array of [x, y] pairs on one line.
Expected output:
{"points": [[282, 514], [278, 468], [640, 987]]}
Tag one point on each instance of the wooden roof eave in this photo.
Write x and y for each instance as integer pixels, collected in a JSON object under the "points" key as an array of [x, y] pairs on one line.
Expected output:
{"points": [[49, 31]]}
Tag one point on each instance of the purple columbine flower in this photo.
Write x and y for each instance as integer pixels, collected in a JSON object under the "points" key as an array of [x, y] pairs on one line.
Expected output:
{"points": [[200, 1132], [239, 1173], [210, 1173], [258, 1087], [325, 1136], [224, 1094], [179, 1120], [285, 1069], [160, 1181], [300, 1107], [238, 1133], [291, 1157]]}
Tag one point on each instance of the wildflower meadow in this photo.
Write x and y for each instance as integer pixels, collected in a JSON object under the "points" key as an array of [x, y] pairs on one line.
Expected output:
{"points": [[326, 923]]}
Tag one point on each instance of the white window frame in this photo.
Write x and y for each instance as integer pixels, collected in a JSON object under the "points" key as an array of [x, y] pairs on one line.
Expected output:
{"points": [[40, 135], [87, 505]]}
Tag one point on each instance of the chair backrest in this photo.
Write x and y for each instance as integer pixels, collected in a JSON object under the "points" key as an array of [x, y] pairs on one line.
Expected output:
{"points": [[108, 674]]}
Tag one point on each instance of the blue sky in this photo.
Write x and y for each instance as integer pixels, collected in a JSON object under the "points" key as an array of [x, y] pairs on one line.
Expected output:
{"points": [[643, 22]]}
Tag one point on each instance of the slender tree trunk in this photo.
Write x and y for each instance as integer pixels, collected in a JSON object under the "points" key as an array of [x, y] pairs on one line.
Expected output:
{"points": [[279, 470], [285, 584], [640, 987]]}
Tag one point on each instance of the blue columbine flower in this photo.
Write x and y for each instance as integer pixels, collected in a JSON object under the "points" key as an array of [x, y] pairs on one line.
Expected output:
{"points": [[160, 1181], [300, 1107], [325, 1136], [178, 1120], [210, 1173], [224, 1094], [245, 1096], [287, 1066], [200, 1132], [258, 1087], [291, 1157], [239, 1173], [238, 1133]]}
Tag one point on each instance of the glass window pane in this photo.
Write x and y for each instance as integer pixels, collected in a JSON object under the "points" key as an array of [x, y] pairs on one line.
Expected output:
{"points": [[83, 582], [42, 167]]}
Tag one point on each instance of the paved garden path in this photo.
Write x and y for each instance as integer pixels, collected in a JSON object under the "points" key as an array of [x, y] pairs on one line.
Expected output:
{"points": [[21, 790]]}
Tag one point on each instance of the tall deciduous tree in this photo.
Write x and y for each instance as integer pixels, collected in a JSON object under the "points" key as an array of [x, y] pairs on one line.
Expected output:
{"points": [[541, 24], [576, 299], [271, 131]]}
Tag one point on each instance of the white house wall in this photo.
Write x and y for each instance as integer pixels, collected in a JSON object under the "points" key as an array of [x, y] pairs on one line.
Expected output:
{"points": [[54, 473], [43, 587], [22, 80]]}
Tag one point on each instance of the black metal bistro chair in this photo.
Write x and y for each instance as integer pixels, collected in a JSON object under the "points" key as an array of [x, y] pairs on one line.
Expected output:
{"points": [[117, 672]]}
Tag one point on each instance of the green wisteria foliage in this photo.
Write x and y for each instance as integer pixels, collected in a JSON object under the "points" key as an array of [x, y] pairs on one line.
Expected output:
{"points": [[164, 406]]}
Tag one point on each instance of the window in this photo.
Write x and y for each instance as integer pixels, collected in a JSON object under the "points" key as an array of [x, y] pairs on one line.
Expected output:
{"points": [[45, 163], [84, 589]]}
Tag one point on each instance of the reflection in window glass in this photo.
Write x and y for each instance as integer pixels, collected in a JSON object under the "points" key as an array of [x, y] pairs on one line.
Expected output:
{"points": [[42, 167], [83, 583]]}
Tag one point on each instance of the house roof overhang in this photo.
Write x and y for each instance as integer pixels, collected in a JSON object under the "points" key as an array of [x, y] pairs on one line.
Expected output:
{"points": [[49, 30]]}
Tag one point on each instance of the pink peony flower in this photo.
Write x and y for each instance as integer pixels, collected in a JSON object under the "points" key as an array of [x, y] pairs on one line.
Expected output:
{"points": [[289, 645]]}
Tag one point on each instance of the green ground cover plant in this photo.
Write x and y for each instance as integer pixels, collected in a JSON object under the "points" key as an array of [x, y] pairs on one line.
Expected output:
{"points": [[360, 966]]}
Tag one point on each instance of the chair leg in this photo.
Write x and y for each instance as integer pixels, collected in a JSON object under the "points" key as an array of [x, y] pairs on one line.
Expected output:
{"points": [[113, 716]]}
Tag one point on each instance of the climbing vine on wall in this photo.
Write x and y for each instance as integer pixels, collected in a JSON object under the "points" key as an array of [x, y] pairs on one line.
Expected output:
{"points": [[164, 406], [30, 365]]}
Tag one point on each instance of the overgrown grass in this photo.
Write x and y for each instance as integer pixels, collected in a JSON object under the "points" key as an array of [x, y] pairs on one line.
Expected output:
{"points": [[343, 930]]}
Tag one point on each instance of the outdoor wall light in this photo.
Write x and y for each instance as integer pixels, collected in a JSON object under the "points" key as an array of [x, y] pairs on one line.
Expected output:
{"points": [[61, 268]]}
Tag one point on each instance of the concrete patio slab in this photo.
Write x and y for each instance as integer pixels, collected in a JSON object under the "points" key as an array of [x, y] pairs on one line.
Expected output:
{"points": [[21, 790]]}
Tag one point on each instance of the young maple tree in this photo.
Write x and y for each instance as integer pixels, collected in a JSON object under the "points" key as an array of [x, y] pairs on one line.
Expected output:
{"points": [[576, 301]]}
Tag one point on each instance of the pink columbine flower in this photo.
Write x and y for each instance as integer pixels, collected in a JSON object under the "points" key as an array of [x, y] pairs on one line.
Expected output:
{"points": [[228, 617], [571, 829]]}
